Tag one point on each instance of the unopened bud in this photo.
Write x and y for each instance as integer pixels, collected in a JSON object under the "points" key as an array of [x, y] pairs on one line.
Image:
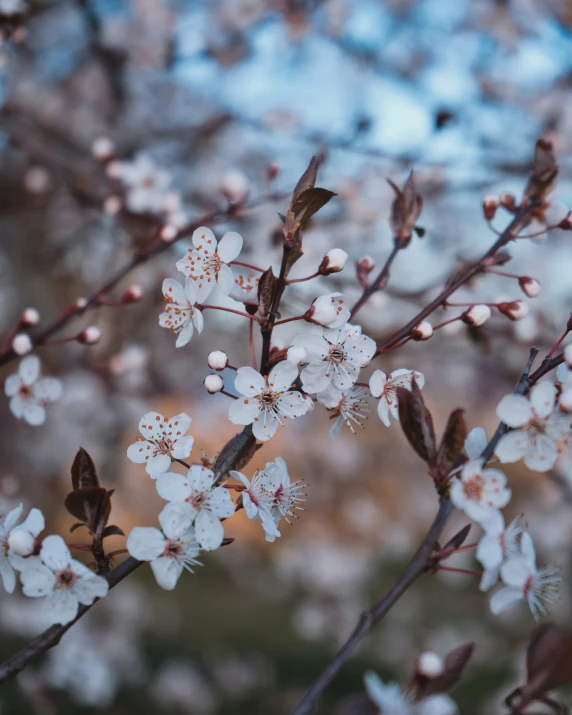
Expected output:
{"points": [[213, 383], [22, 344], [272, 171], [90, 335], [565, 401], [21, 542], [30, 317], [112, 205], [568, 355], [132, 294], [566, 223], [490, 206], [235, 186], [476, 315], [530, 286], [37, 180], [79, 303], [508, 201], [217, 360], [423, 331], [430, 665], [103, 149], [365, 265], [114, 169], [333, 262], [330, 311], [515, 310], [168, 233], [297, 354]]}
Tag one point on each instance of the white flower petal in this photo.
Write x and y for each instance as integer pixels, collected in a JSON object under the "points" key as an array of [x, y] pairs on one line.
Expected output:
{"points": [[183, 447], [173, 487], [542, 454], [225, 279], [209, 530], [145, 543], [283, 376], [383, 411], [204, 240], [7, 574], [55, 553], [220, 502], [29, 369], [176, 520], [377, 383], [249, 382], [516, 571], [506, 598], [37, 580], [316, 377], [514, 410], [265, 426], [230, 246], [62, 606], [33, 413], [543, 398], [512, 447], [89, 588], [158, 464], [243, 411], [167, 572], [476, 442]]}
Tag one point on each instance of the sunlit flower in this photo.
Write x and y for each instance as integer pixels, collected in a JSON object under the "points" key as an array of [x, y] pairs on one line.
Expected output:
{"points": [[162, 441], [181, 315], [478, 491], [267, 402], [391, 700], [170, 550], [524, 582], [385, 387], [349, 407], [206, 262], [498, 544], [24, 534], [204, 505], [63, 581], [539, 432], [30, 392], [334, 356]]}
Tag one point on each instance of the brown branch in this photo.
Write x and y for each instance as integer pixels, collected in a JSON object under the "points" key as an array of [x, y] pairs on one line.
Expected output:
{"points": [[379, 283]]}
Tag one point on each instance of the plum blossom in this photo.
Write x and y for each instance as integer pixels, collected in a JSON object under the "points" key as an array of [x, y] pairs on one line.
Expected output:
{"points": [[497, 544], [348, 406], [391, 700], [148, 187], [285, 495], [539, 432], [204, 505], [27, 532], [479, 491], [162, 441], [258, 498], [267, 401], [169, 550], [334, 356], [29, 392], [181, 315], [385, 387], [63, 581], [329, 311], [524, 582], [245, 288], [206, 262]]}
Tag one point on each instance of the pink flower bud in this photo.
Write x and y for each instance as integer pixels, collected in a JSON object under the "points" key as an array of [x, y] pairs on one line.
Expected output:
{"points": [[297, 354], [30, 317], [217, 360], [79, 303], [169, 233], [490, 206], [103, 149], [21, 542], [272, 171], [430, 665], [90, 335], [476, 315], [112, 205], [515, 310], [566, 223], [423, 331], [330, 311], [132, 294], [333, 262], [235, 186], [508, 201], [530, 286], [565, 401], [365, 265], [213, 383], [22, 344], [568, 355]]}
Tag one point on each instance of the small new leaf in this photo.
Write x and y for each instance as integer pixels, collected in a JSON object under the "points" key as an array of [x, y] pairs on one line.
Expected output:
{"points": [[266, 290], [405, 210], [544, 171], [82, 502], [417, 423], [83, 472], [458, 540], [308, 203], [112, 531], [453, 440], [308, 178]]}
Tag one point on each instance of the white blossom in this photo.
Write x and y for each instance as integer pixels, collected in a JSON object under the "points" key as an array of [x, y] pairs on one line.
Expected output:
{"points": [[539, 432], [30, 392], [258, 498], [334, 356], [181, 315], [476, 443], [329, 311], [162, 441], [148, 187], [61, 580], [391, 700], [206, 262], [524, 582], [385, 387], [479, 491], [245, 288], [170, 550], [349, 407], [205, 505], [12, 532], [22, 344], [568, 355], [497, 544], [285, 495], [267, 402]]}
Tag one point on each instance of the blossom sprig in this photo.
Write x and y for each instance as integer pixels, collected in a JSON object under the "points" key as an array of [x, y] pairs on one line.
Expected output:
{"points": [[349, 407], [162, 441], [17, 541]]}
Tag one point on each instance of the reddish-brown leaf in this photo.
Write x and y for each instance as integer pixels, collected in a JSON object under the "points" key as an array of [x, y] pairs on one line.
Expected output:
{"points": [[417, 423], [83, 472], [455, 663], [453, 439]]}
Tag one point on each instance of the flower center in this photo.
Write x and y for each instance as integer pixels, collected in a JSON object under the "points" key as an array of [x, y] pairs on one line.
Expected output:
{"points": [[474, 488], [25, 392], [267, 399], [172, 549], [337, 354], [66, 579]]}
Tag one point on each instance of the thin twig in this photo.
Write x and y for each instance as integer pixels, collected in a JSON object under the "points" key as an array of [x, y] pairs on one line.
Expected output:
{"points": [[379, 283]]}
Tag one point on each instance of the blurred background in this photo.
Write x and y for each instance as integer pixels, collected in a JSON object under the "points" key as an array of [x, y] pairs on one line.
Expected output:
{"points": [[226, 99]]}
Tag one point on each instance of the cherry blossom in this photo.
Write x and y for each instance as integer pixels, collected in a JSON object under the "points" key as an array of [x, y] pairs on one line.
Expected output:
{"points": [[285, 495], [334, 356], [245, 288], [147, 185], [348, 406], [206, 262], [539, 432], [478, 491], [258, 497], [498, 544], [329, 311], [171, 549], [162, 441], [63, 581], [181, 315], [205, 505], [524, 582], [391, 700], [267, 401], [30, 392], [9, 528], [385, 387]]}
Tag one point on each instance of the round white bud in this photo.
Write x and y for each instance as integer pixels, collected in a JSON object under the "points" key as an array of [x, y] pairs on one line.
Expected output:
{"points": [[102, 148], [568, 355], [334, 261], [213, 383], [530, 286], [133, 294], [112, 205], [217, 360], [169, 233], [423, 331], [90, 336], [329, 310], [490, 206], [476, 315], [430, 665], [30, 317], [37, 180], [79, 303], [22, 344], [515, 310], [297, 354], [21, 542]]}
